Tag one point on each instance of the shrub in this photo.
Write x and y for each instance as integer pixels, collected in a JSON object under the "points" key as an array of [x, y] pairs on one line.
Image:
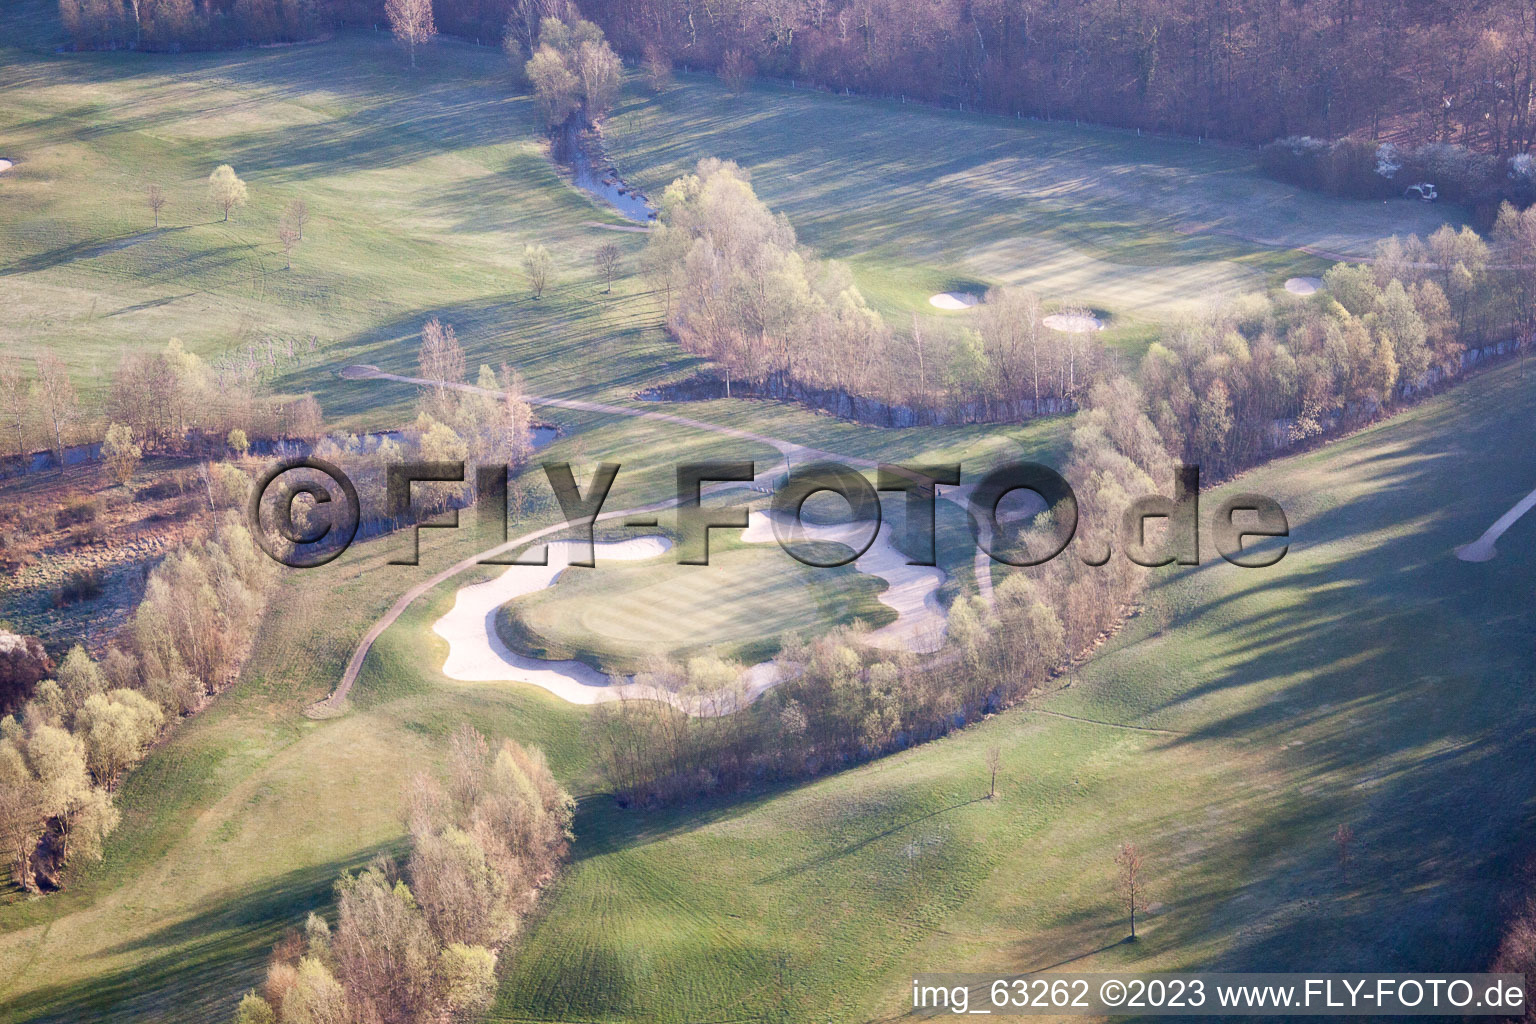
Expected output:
{"points": [[76, 510], [81, 586]]}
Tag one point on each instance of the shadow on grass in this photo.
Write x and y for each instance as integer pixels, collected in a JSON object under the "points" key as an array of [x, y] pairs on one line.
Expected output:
{"points": [[1390, 684], [196, 969]]}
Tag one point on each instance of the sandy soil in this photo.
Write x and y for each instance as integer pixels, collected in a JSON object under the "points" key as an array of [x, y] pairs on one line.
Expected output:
{"points": [[953, 300], [1304, 285], [1073, 323], [912, 590]]}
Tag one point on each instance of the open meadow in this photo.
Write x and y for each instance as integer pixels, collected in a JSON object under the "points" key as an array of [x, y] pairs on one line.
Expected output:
{"points": [[1233, 723]]}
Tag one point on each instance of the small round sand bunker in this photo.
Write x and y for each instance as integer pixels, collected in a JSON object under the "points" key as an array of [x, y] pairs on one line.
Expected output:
{"points": [[1304, 285], [1074, 323], [5, 165], [953, 300]]}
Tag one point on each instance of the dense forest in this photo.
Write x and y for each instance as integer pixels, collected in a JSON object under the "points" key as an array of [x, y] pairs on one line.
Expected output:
{"points": [[1248, 70]]}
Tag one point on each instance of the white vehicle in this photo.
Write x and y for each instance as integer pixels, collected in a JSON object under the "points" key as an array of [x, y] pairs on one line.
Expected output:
{"points": [[1424, 192]]}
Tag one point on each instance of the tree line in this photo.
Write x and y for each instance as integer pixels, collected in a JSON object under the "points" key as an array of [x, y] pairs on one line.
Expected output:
{"points": [[63, 753], [170, 401], [1248, 70], [421, 944], [738, 290], [1232, 386]]}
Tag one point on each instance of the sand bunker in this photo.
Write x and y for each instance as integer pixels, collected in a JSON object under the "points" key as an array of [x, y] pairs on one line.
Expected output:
{"points": [[1304, 285], [953, 300], [5, 165], [477, 654], [1074, 323], [912, 591]]}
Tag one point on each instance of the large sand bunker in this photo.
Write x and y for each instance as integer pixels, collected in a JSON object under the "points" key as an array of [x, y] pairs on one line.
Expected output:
{"points": [[1304, 285], [476, 652], [1074, 323], [953, 300]]}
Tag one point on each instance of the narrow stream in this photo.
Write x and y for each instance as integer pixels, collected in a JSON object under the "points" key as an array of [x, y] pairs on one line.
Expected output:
{"points": [[595, 175]]}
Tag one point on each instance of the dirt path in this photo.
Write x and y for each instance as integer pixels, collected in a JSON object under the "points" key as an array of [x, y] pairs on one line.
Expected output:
{"points": [[789, 450]]}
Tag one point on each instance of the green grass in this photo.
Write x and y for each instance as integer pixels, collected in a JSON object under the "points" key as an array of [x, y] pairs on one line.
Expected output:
{"points": [[920, 200], [1370, 678], [738, 608], [1401, 673]]}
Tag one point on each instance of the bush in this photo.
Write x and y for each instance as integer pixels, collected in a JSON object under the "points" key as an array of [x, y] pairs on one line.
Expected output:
{"points": [[1293, 160], [87, 534], [1362, 169], [173, 485], [77, 510], [82, 586]]}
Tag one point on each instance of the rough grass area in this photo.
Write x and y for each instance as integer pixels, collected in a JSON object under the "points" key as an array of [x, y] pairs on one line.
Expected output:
{"points": [[739, 607]]}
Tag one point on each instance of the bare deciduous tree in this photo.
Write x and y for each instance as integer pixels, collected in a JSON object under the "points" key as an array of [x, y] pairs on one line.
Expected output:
{"points": [[13, 399], [288, 236], [736, 70], [297, 214], [155, 200], [607, 259], [56, 394], [658, 68], [411, 22], [994, 762], [440, 358], [1130, 882], [536, 266], [1344, 843]]}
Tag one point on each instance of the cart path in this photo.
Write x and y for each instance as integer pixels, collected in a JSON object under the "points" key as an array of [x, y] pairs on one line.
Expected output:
{"points": [[1482, 549]]}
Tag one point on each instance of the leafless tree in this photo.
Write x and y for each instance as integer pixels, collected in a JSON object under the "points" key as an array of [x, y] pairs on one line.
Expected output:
{"points": [[607, 259], [536, 265], [736, 70], [288, 235], [411, 22], [994, 762], [56, 393], [156, 202], [1130, 882], [297, 214], [658, 68], [14, 400], [1344, 843]]}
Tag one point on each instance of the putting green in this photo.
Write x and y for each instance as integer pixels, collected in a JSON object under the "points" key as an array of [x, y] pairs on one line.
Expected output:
{"points": [[739, 606]]}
